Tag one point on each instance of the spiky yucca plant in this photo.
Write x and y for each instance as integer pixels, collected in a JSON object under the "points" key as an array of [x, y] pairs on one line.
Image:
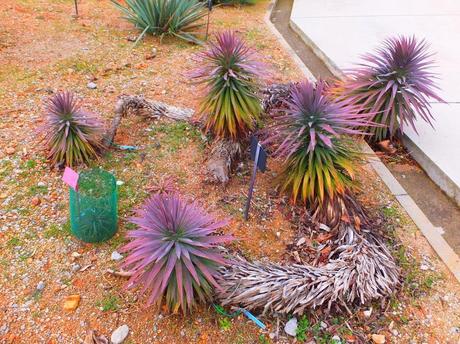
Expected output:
{"points": [[173, 252], [230, 73], [178, 18], [320, 163], [73, 135], [396, 84]]}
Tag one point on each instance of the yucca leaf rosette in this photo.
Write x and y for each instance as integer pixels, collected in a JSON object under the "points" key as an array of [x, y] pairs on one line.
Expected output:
{"points": [[173, 253], [73, 135], [312, 137], [396, 84], [230, 73]]}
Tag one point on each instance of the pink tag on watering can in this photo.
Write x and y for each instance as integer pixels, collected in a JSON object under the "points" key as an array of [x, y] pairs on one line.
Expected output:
{"points": [[70, 177]]}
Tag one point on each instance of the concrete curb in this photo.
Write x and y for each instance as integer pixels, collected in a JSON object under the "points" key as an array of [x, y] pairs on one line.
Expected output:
{"points": [[285, 44], [433, 171], [336, 71], [431, 233]]}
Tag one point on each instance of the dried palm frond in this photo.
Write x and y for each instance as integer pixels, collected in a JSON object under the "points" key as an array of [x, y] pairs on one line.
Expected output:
{"points": [[360, 269]]}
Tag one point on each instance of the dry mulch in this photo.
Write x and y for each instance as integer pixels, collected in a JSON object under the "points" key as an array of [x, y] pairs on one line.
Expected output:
{"points": [[43, 50]]}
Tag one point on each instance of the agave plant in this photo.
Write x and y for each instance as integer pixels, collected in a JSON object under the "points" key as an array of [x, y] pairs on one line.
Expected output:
{"points": [[395, 84], [165, 17], [73, 135], [320, 163], [230, 73], [174, 252]]}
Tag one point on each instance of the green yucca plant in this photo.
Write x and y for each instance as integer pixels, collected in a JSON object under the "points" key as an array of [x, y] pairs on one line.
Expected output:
{"points": [[165, 17], [320, 161], [230, 73], [73, 135]]}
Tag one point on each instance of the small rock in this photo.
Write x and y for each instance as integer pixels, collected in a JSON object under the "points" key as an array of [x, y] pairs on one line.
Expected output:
{"points": [[386, 146], [378, 338], [367, 313], [424, 267], [182, 333], [154, 52], [120, 182], [120, 334], [116, 256], [336, 339], [91, 85], [454, 330], [35, 201], [149, 57], [75, 267], [301, 241], [10, 150], [75, 255], [278, 234], [41, 184], [291, 327], [71, 302], [40, 286]]}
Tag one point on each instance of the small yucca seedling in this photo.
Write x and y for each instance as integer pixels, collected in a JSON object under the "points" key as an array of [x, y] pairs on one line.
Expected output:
{"points": [[320, 163], [173, 252], [73, 135], [164, 185], [396, 84], [230, 73]]}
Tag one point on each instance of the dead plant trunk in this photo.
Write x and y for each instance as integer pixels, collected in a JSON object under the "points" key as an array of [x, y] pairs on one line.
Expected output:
{"points": [[140, 106], [360, 269], [221, 159]]}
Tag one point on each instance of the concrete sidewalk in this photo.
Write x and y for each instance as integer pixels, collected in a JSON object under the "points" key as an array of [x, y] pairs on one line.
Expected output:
{"points": [[345, 29]]}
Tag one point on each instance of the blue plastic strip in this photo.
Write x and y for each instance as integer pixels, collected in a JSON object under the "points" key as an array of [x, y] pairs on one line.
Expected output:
{"points": [[253, 318]]}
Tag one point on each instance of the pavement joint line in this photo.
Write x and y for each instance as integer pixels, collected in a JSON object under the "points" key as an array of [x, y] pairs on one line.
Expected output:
{"points": [[429, 231]]}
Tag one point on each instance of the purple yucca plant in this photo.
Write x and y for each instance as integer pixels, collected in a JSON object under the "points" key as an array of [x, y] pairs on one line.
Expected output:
{"points": [[230, 71], [395, 84], [320, 161], [173, 252], [72, 134]]}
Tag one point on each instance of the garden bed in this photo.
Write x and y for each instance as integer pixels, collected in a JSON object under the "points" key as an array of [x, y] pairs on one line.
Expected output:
{"points": [[44, 50]]}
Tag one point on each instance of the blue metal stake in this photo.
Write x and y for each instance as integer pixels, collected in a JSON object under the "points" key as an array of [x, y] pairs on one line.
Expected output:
{"points": [[253, 181]]}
